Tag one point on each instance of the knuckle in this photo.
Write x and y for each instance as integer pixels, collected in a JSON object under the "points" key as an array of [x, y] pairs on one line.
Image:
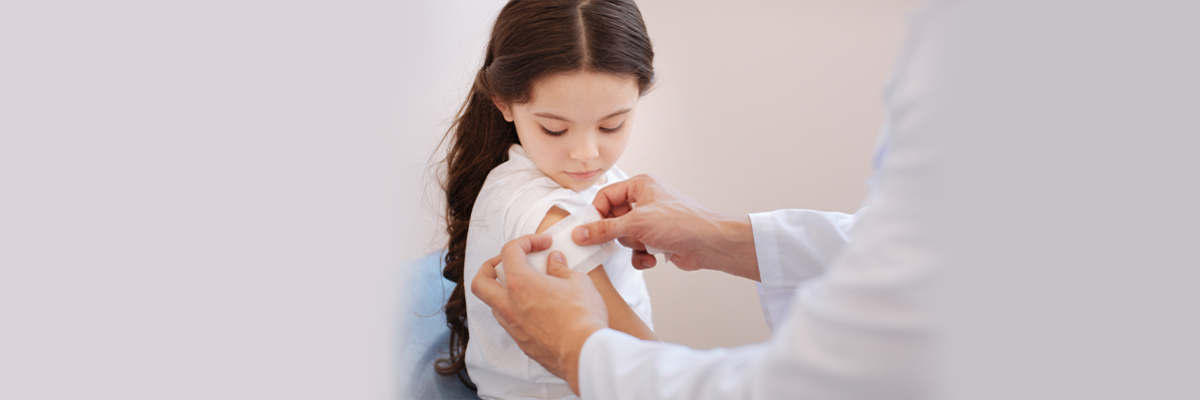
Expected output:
{"points": [[602, 228], [476, 285]]}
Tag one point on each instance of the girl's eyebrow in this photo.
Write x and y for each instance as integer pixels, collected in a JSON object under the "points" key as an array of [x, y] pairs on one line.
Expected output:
{"points": [[552, 116]]}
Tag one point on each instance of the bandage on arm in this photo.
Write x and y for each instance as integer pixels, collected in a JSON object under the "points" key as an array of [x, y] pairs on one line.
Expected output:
{"points": [[558, 223], [620, 316]]}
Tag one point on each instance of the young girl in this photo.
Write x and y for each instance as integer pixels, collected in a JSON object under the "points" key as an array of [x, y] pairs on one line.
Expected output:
{"points": [[549, 114]]}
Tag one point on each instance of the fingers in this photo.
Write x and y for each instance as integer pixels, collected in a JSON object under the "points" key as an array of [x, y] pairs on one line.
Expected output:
{"points": [[618, 211], [529, 243], [513, 253], [487, 289], [556, 266], [488, 270], [643, 260], [615, 195], [631, 242], [601, 231]]}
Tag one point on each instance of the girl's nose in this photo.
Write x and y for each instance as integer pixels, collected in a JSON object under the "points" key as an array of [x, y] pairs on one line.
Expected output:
{"points": [[586, 149]]}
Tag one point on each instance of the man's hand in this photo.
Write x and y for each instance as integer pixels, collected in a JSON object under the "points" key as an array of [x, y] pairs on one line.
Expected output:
{"points": [[644, 211], [549, 316]]}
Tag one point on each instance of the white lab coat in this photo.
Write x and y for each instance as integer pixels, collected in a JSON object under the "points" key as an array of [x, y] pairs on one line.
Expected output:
{"points": [[849, 318]]}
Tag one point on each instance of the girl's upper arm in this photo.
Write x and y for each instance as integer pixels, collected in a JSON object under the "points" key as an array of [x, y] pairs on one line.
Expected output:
{"points": [[552, 217]]}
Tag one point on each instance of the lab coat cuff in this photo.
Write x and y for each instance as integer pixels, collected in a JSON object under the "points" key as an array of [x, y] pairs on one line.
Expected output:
{"points": [[766, 248], [773, 293], [595, 369]]}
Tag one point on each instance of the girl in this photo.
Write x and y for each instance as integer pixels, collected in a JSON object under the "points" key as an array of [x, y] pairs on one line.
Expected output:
{"points": [[547, 117]]}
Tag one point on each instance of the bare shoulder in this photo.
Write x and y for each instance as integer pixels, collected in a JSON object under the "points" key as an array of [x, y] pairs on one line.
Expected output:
{"points": [[552, 217]]}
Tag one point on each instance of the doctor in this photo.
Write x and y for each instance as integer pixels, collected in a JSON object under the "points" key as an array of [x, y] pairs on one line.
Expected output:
{"points": [[849, 317]]}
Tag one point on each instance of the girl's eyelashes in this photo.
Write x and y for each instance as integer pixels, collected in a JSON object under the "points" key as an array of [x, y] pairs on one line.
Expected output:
{"points": [[602, 129], [612, 130]]}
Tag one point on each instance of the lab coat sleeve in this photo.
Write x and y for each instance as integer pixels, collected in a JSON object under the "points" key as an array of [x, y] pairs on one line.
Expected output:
{"points": [[856, 332], [794, 246]]}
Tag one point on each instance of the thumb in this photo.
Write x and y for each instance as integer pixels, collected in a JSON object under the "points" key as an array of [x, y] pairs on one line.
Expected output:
{"points": [[601, 231], [556, 265]]}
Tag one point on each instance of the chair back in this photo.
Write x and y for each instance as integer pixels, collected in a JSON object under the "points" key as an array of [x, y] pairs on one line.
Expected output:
{"points": [[424, 337]]}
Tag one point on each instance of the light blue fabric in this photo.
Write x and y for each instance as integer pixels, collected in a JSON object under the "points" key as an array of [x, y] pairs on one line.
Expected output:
{"points": [[423, 333]]}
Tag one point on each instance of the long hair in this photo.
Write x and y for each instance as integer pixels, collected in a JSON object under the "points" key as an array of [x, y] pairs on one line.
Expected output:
{"points": [[531, 39]]}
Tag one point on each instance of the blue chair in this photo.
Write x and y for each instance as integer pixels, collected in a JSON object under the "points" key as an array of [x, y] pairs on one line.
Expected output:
{"points": [[423, 332]]}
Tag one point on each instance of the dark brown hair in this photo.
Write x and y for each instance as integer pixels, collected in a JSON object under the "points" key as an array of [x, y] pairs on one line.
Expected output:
{"points": [[531, 39]]}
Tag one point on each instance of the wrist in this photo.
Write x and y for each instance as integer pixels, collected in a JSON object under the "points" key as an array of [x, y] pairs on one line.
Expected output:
{"points": [[737, 239]]}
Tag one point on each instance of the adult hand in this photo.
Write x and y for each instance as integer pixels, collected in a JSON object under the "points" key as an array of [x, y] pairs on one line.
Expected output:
{"points": [[549, 315], [644, 211]]}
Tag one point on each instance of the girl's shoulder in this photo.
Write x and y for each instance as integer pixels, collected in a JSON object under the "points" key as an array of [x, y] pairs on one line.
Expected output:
{"points": [[515, 177], [517, 195], [517, 189]]}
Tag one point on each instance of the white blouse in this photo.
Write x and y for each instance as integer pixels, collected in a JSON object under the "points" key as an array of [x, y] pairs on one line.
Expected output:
{"points": [[512, 203]]}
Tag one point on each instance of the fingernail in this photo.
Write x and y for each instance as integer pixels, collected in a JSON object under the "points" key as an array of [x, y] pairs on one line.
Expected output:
{"points": [[647, 264], [558, 256], [581, 234]]}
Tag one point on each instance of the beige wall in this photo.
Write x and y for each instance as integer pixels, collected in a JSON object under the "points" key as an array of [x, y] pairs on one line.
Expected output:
{"points": [[759, 105]]}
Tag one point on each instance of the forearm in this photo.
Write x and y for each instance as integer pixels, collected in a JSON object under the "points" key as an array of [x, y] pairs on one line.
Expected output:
{"points": [[733, 250], [620, 316]]}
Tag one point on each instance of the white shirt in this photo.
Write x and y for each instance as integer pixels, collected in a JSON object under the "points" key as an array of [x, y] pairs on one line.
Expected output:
{"points": [[512, 203], [849, 317]]}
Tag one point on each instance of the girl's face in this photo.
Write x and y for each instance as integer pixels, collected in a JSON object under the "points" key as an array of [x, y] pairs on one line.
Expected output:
{"points": [[576, 124]]}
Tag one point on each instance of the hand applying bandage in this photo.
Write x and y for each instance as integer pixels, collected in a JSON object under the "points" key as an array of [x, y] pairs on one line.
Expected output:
{"points": [[666, 221], [550, 332]]}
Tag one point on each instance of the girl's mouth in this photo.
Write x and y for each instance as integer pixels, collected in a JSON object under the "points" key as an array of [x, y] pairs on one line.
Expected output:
{"points": [[583, 176]]}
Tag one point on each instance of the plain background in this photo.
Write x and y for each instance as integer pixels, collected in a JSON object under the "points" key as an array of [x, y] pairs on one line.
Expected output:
{"points": [[757, 106], [210, 199], [200, 200]]}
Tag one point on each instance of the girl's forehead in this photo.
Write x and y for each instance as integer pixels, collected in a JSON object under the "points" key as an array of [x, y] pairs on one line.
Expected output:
{"points": [[583, 93]]}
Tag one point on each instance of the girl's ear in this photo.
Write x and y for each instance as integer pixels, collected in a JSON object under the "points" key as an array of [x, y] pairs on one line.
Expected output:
{"points": [[504, 109]]}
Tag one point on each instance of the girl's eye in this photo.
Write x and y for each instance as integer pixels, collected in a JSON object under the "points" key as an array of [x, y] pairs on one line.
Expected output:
{"points": [[612, 130], [553, 133]]}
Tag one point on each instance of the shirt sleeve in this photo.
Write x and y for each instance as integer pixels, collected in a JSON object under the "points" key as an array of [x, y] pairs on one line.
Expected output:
{"points": [[794, 246]]}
